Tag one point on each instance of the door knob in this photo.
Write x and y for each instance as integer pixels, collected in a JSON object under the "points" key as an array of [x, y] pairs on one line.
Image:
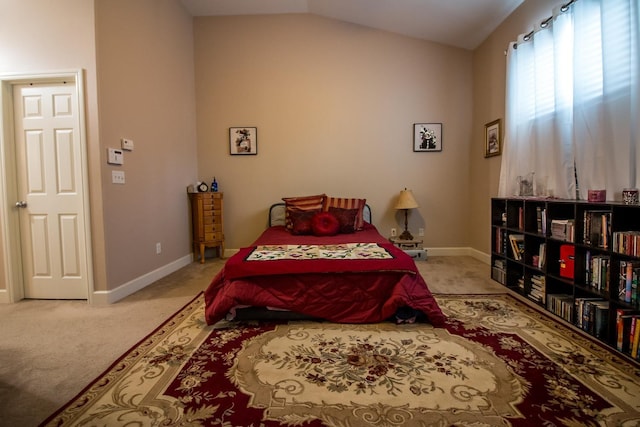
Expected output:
{"points": [[21, 204]]}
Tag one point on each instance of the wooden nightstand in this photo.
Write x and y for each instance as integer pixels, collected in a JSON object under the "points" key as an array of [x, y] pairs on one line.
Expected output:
{"points": [[207, 224], [411, 247]]}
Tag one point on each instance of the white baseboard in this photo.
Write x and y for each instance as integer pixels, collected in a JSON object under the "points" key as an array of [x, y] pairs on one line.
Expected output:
{"points": [[4, 296], [126, 289]]}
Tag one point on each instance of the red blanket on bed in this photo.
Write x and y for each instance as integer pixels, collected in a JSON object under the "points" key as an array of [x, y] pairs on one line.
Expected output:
{"points": [[361, 290]]}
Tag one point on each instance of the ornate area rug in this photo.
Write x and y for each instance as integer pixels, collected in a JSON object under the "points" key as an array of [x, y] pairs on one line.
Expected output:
{"points": [[498, 362]]}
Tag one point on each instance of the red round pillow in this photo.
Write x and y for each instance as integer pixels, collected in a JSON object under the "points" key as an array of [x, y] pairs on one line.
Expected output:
{"points": [[325, 224]]}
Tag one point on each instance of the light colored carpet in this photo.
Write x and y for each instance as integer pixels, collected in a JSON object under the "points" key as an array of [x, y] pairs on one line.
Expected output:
{"points": [[50, 350]]}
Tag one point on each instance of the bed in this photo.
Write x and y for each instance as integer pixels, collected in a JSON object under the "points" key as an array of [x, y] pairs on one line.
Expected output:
{"points": [[346, 277]]}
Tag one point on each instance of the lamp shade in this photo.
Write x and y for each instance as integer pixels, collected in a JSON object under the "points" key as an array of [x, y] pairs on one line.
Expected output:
{"points": [[406, 200]]}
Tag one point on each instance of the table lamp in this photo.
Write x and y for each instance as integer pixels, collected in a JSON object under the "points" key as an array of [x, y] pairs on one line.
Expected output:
{"points": [[406, 201]]}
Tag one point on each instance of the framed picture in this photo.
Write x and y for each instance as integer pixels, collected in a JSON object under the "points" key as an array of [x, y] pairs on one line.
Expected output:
{"points": [[243, 140], [427, 137], [493, 138]]}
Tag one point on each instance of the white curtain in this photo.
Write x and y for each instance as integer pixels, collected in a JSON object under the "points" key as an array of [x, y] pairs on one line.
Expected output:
{"points": [[572, 103]]}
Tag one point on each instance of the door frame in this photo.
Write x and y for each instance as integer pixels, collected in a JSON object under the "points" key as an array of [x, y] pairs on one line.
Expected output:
{"points": [[9, 215]]}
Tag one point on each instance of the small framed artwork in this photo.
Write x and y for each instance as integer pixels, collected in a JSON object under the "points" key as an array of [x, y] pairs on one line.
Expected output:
{"points": [[427, 137], [493, 138], [243, 140]]}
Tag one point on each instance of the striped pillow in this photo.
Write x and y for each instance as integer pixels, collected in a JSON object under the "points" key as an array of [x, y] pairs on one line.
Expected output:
{"points": [[305, 203], [345, 203]]}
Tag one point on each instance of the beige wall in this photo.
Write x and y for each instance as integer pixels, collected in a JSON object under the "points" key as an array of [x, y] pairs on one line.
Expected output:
{"points": [[334, 104], [146, 89], [489, 79]]}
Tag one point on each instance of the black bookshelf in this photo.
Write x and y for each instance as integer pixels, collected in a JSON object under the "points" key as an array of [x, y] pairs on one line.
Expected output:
{"points": [[578, 260]]}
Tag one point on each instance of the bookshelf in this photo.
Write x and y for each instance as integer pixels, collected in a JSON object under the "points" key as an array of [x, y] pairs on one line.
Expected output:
{"points": [[578, 260]]}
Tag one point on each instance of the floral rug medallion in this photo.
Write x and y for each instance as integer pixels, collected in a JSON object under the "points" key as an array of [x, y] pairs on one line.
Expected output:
{"points": [[392, 374]]}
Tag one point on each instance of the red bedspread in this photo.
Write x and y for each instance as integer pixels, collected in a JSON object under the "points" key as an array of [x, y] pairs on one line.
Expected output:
{"points": [[344, 290]]}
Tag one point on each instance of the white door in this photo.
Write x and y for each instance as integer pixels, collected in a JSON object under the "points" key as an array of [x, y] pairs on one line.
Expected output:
{"points": [[49, 178]]}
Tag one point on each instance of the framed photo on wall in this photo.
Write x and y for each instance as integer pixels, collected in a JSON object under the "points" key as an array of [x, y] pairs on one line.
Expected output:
{"points": [[427, 137], [493, 138], [243, 140]]}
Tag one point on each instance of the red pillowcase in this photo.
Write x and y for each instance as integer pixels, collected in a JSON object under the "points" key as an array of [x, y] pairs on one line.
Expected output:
{"points": [[346, 218], [347, 203], [301, 221], [325, 224], [304, 203]]}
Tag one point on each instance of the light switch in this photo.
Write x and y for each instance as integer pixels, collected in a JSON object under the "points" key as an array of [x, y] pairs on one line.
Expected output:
{"points": [[115, 156]]}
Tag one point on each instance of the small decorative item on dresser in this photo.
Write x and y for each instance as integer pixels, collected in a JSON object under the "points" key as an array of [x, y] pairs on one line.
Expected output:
{"points": [[203, 187], [630, 196]]}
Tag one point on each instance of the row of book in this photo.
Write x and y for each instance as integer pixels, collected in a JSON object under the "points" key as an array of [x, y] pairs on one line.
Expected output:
{"points": [[539, 260], [561, 305], [538, 289], [517, 246], [541, 220], [592, 316], [628, 332], [627, 242], [597, 271], [499, 271], [628, 282], [597, 228], [563, 229]]}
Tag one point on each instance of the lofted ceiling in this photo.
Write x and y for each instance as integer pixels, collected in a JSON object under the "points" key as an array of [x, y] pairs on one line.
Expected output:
{"points": [[459, 23]]}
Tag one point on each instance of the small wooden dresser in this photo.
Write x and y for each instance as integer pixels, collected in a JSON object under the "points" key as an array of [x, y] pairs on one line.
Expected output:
{"points": [[206, 219]]}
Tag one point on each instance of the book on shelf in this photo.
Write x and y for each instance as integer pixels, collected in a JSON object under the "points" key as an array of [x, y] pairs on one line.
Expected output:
{"points": [[623, 325], [592, 316], [561, 305], [540, 259], [627, 242], [501, 240], [597, 269], [567, 261], [541, 220], [597, 228], [634, 337], [563, 229], [628, 281], [632, 348], [498, 271], [537, 289], [517, 245]]}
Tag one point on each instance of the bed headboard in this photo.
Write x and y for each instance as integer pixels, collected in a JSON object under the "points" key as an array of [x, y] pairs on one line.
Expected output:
{"points": [[277, 214]]}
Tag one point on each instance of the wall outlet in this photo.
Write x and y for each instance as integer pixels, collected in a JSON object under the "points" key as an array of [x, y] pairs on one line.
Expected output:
{"points": [[394, 232], [117, 177], [158, 248], [421, 232]]}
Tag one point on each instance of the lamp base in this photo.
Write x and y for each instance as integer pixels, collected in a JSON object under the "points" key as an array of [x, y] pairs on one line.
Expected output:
{"points": [[406, 235]]}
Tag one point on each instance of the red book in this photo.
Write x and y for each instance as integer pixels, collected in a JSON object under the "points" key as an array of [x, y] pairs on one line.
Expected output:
{"points": [[567, 259]]}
